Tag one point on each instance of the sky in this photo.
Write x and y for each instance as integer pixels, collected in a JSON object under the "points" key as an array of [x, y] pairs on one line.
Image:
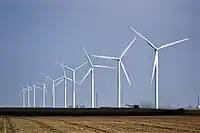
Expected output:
{"points": [[36, 34]]}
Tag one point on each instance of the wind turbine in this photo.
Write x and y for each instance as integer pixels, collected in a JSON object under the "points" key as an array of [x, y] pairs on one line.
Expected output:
{"points": [[155, 66], [73, 80], [44, 91], [34, 86], [53, 87], [28, 93], [23, 91], [119, 65], [65, 78], [92, 66]]}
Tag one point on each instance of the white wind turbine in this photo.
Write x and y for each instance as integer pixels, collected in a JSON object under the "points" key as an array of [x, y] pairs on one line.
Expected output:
{"points": [[23, 95], [28, 93], [53, 87], [44, 92], [92, 66], [73, 80], [65, 78], [34, 87], [119, 65], [155, 66]]}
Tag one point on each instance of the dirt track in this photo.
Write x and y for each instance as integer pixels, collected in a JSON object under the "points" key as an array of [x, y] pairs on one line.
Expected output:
{"points": [[140, 124]]}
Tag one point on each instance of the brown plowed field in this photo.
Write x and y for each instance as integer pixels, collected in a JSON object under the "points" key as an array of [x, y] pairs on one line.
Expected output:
{"points": [[135, 124]]}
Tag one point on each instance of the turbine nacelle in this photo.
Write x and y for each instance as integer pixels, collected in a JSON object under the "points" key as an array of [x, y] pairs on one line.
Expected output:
{"points": [[119, 59]]}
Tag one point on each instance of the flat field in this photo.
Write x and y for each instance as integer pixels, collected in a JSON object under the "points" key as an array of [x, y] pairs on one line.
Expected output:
{"points": [[124, 124]]}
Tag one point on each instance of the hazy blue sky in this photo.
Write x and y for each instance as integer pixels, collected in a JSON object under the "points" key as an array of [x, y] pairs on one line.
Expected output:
{"points": [[36, 34]]}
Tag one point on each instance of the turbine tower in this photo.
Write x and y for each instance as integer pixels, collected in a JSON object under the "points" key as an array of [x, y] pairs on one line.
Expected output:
{"points": [[23, 95], [92, 66], [73, 80], [28, 93], [119, 65], [53, 87], [198, 100], [97, 98], [34, 86], [155, 66], [65, 78], [44, 91]]}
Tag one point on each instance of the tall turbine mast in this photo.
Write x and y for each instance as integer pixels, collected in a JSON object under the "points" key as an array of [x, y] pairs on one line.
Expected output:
{"points": [[119, 65], [97, 102], [65, 78], [198, 100], [53, 87], [28, 92], [73, 80], [44, 92], [92, 66], [34, 87], [155, 66], [23, 95]]}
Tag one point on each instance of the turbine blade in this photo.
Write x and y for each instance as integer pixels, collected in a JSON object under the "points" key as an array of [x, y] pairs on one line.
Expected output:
{"points": [[63, 69], [28, 86], [45, 81], [88, 58], [65, 66], [37, 87], [100, 66], [72, 80], [85, 75], [154, 66], [123, 53], [22, 86], [21, 92], [170, 44], [77, 82], [58, 79], [151, 44], [69, 79], [106, 57], [37, 82], [125, 72], [81, 65], [46, 76], [25, 90], [59, 82]]}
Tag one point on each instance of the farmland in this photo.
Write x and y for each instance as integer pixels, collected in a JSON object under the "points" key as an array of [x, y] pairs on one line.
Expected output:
{"points": [[103, 124]]}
